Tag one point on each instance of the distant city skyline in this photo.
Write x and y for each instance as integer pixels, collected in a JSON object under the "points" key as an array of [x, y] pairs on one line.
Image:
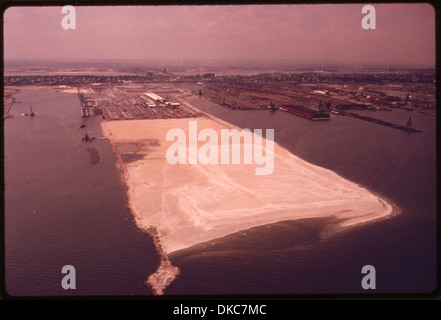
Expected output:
{"points": [[404, 34]]}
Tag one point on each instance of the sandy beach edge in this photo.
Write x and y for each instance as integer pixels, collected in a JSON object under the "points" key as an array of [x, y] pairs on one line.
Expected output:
{"points": [[166, 271]]}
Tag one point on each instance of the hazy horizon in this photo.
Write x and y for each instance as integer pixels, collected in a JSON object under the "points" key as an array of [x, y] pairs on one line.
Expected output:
{"points": [[308, 34], [208, 60]]}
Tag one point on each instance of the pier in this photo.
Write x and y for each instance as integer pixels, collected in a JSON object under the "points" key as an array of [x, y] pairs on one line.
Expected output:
{"points": [[380, 122], [7, 113]]}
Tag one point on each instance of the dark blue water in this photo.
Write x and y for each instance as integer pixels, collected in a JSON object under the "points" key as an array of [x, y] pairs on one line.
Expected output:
{"points": [[61, 209]]}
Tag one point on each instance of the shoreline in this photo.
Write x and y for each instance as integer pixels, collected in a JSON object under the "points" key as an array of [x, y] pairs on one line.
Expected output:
{"points": [[166, 272]]}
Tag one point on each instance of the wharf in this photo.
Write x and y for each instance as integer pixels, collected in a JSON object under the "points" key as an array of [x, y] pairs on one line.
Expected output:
{"points": [[6, 112], [305, 112], [380, 122]]}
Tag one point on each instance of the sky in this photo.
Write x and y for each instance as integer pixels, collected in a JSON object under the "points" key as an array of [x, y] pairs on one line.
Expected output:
{"points": [[404, 34]]}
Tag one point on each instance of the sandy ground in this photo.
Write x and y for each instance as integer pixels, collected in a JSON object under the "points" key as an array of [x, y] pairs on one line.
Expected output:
{"points": [[189, 204]]}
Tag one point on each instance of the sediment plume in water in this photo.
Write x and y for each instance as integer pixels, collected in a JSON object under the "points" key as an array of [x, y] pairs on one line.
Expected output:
{"points": [[94, 155]]}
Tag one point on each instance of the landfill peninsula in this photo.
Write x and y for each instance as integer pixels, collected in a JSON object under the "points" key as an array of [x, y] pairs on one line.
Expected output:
{"points": [[181, 205]]}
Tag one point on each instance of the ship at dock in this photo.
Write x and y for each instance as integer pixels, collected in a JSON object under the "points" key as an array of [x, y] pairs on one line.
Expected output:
{"points": [[305, 112]]}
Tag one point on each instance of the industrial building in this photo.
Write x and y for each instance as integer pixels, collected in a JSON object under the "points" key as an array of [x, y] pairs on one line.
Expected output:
{"points": [[159, 101]]}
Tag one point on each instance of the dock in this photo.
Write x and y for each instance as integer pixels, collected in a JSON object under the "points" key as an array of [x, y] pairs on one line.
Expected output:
{"points": [[305, 112], [380, 122], [6, 112]]}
